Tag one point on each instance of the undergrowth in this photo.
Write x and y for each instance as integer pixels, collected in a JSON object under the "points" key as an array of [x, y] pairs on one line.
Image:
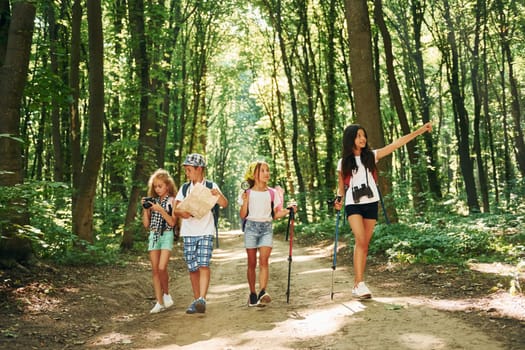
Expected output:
{"points": [[446, 238], [439, 236]]}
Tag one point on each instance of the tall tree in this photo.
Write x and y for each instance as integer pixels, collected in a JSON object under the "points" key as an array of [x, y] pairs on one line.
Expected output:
{"points": [[114, 128], [330, 117], [85, 201], [418, 15], [395, 96], [275, 12], [460, 112], [308, 72], [5, 19], [13, 75], [58, 165], [364, 84], [144, 164], [74, 86], [476, 94], [506, 36]]}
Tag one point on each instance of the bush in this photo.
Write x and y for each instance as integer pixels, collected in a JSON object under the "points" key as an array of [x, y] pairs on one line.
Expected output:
{"points": [[446, 238], [49, 206]]}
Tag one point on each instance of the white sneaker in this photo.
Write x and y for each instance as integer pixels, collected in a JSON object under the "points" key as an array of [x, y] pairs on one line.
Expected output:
{"points": [[361, 291], [157, 308], [167, 300]]}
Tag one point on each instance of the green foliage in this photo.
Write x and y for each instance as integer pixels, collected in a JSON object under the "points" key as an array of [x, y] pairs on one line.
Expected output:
{"points": [[324, 229], [49, 230], [446, 238]]}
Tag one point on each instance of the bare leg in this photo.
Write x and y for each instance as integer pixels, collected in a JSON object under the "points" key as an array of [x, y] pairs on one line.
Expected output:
{"points": [[163, 270], [195, 282], [264, 270], [250, 270], [154, 257], [363, 230], [204, 281]]}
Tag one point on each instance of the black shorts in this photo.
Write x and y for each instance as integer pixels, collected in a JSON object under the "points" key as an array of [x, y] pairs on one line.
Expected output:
{"points": [[367, 211]]}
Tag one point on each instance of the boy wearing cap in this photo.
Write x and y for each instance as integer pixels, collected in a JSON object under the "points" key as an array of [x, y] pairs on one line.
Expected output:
{"points": [[197, 233]]}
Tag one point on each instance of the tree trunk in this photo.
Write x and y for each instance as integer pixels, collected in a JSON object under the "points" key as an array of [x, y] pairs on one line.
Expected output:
{"points": [[84, 209], [519, 141], [434, 183], [74, 86], [476, 94], [308, 70], [395, 94], [460, 115], [329, 118], [487, 115], [5, 19], [13, 75], [114, 129], [58, 165], [144, 163], [277, 21], [364, 86]]}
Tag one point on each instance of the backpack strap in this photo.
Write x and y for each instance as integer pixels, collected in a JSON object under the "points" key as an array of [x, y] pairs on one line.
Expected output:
{"points": [[272, 198], [346, 181], [186, 185], [185, 188], [215, 209]]}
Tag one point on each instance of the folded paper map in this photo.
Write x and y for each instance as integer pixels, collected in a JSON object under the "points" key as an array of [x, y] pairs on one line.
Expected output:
{"points": [[199, 201]]}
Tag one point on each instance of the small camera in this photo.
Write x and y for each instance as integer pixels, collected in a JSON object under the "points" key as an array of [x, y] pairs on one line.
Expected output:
{"points": [[358, 192], [148, 202]]}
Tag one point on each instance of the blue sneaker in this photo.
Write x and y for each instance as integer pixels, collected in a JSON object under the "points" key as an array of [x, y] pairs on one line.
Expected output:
{"points": [[200, 305], [191, 309], [252, 300]]}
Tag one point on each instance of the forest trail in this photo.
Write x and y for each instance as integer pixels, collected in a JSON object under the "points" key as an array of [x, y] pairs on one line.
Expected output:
{"points": [[107, 307], [311, 320]]}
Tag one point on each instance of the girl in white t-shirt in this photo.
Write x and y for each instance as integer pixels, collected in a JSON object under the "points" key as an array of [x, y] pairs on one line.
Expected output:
{"points": [[259, 204], [357, 185]]}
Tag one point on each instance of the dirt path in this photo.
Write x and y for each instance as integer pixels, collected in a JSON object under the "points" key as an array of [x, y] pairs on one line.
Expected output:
{"points": [[311, 320]]}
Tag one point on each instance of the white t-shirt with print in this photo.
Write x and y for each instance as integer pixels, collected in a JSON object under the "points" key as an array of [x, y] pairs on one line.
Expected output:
{"points": [[358, 178]]}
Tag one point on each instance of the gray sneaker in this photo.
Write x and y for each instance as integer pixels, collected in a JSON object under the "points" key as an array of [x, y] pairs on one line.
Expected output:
{"points": [[191, 309], [361, 291], [200, 305]]}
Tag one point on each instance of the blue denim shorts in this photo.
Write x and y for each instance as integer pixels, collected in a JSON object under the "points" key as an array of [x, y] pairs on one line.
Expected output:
{"points": [[258, 234], [367, 211], [197, 251], [164, 241]]}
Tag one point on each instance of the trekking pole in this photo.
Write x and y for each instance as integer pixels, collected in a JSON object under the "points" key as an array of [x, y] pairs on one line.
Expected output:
{"points": [[290, 228], [336, 239]]}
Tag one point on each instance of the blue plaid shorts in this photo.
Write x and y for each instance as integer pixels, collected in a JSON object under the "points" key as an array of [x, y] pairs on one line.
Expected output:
{"points": [[197, 251]]}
